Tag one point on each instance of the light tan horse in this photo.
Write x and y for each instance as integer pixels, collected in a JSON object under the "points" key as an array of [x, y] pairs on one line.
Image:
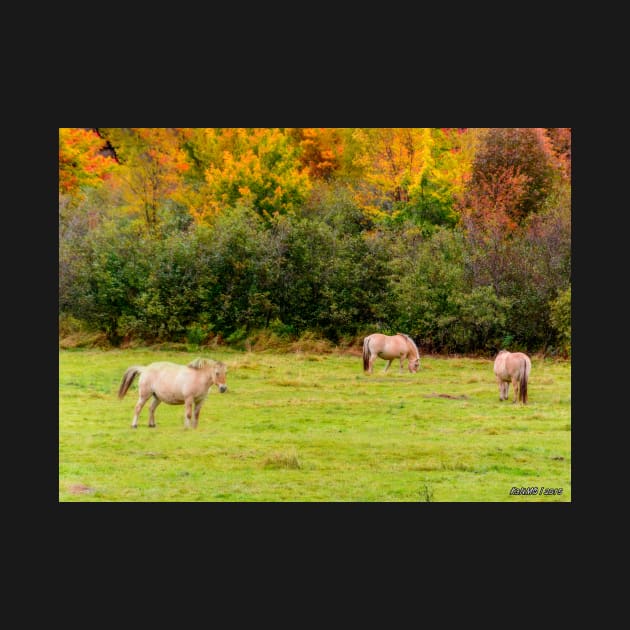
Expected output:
{"points": [[174, 384], [390, 347], [512, 367]]}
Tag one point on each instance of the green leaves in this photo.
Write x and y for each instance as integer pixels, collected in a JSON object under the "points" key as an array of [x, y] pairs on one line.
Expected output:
{"points": [[458, 237], [560, 315]]}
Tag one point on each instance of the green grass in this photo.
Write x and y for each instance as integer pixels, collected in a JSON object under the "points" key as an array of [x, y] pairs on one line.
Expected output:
{"points": [[300, 427]]}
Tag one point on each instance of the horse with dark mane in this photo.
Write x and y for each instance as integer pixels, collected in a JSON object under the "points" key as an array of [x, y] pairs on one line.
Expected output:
{"points": [[512, 367], [174, 384], [389, 347]]}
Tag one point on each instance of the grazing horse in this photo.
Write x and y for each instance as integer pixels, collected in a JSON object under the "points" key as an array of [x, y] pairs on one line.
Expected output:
{"points": [[390, 347], [512, 367], [174, 384]]}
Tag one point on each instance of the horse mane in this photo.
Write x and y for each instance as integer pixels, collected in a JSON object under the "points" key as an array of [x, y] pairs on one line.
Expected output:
{"points": [[413, 343], [200, 363]]}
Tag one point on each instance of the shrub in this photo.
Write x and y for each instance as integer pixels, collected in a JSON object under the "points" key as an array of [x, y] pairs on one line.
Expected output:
{"points": [[312, 342], [560, 316], [237, 338], [196, 334], [69, 325]]}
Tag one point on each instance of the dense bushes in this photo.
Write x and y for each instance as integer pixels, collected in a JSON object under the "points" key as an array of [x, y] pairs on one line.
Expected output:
{"points": [[320, 272], [561, 320], [460, 237]]}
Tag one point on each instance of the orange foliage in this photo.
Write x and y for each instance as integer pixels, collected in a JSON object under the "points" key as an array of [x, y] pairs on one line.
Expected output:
{"points": [[560, 139], [321, 150], [493, 205], [81, 161], [391, 171]]}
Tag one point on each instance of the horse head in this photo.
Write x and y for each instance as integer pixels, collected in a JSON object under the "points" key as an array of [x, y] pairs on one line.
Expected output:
{"points": [[413, 355], [216, 369], [218, 376]]}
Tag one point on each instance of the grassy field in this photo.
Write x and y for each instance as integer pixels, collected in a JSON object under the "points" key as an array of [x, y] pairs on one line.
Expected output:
{"points": [[306, 427]]}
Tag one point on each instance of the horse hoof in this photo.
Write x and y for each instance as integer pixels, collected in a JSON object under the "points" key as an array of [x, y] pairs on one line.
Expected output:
{"points": [[152, 426], [134, 426]]}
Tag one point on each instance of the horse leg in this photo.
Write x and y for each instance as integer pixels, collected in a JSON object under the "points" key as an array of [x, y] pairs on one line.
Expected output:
{"points": [[188, 413], [143, 397], [516, 388], [371, 363], [402, 369], [387, 366], [154, 403], [503, 389], [196, 413]]}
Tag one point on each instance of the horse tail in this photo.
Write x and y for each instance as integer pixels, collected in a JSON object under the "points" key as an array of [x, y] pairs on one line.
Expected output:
{"points": [[127, 379], [366, 353], [523, 386]]}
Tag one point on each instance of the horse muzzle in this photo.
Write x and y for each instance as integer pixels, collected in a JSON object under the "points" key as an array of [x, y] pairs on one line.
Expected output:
{"points": [[222, 388]]}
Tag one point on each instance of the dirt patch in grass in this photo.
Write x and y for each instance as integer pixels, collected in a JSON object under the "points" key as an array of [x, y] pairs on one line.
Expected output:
{"points": [[80, 488]]}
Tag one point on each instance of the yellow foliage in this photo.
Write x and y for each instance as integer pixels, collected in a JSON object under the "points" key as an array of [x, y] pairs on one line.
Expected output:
{"points": [[257, 167], [407, 164], [272, 170]]}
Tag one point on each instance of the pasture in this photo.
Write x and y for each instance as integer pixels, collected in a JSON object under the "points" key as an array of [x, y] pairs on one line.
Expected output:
{"points": [[304, 427]]}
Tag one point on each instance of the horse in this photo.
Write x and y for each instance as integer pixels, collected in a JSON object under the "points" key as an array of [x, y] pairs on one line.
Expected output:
{"points": [[390, 347], [512, 367], [174, 384]]}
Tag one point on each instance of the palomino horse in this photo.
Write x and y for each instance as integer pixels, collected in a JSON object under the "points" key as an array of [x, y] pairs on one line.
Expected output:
{"points": [[390, 347], [512, 367], [174, 384]]}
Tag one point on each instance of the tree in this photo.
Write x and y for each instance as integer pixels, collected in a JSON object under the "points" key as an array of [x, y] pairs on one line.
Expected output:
{"points": [[392, 160], [410, 173], [321, 150], [512, 172], [433, 197], [81, 160], [560, 138], [491, 206], [153, 165], [256, 167]]}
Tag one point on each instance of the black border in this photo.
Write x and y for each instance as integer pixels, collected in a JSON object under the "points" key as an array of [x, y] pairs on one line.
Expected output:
{"points": [[269, 528]]}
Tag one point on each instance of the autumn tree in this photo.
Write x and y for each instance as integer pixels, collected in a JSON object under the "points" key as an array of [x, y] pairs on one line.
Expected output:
{"points": [[256, 167], [321, 150], [521, 158], [391, 161], [433, 196], [82, 160], [151, 177], [328, 230], [412, 173], [560, 138]]}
